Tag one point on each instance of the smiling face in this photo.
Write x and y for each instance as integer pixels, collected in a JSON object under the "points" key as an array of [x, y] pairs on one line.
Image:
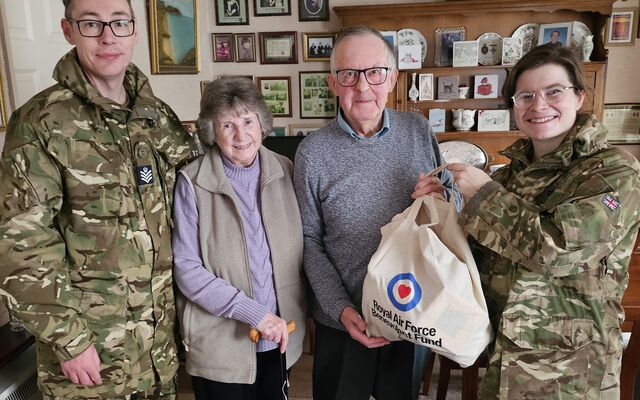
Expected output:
{"points": [[104, 59], [362, 105], [238, 136], [547, 124]]}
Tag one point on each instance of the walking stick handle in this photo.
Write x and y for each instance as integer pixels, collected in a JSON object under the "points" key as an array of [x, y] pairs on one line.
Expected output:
{"points": [[254, 334]]}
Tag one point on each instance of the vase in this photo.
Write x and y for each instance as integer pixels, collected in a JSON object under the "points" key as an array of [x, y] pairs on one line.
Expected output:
{"points": [[413, 92], [587, 47]]}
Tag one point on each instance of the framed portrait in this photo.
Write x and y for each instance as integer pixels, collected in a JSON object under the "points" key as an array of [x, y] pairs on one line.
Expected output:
{"points": [[303, 129], [278, 48], [317, 46], [558, 33], [264, 8], [316, 98], [623, 122], [493, 120], [278, 131], [277, 94], [232, 12], [222, 47], [485, 87], [245, 45], [174, 37], [426, 87], [313, 10], [444, 39], [622, 27], [465, 53]]}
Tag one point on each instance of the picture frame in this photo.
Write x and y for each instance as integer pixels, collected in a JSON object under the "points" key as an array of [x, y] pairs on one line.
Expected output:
{"points": [[485, 87], [622, 27], [4, 115], [559, 33], [174, 52], [392, 38], [278, 131], [317, 46], [278, 47], [316, 98], [426, 87], [465, 53], [444, 39], [276, 91], [493, 120], [511, 50], [190, 127], [437, 119], [222, 47], [448, 87], [623, 122], [302, 129], [202, 85], [409, 56], [313, 10], [245, 46], [232, 12], [250, 77], [266, 8]]}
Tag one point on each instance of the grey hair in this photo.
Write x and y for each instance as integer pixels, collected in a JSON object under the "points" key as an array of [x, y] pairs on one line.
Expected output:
{"points": [[68, 6], [231, 94], [362, 31]]}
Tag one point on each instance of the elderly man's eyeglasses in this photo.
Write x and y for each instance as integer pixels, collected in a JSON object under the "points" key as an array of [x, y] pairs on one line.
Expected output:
{"points": [[551, 95], [373, 76], [95, 28]]}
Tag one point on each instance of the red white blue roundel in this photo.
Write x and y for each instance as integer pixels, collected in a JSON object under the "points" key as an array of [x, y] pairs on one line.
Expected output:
{"points": [[404, 291]]}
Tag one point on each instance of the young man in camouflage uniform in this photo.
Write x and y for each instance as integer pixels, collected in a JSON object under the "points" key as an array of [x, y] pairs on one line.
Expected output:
{"points": [[88, 170]]}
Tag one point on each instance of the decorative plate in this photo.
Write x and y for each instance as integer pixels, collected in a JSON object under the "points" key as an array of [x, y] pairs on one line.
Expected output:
{"points": [[489, 48], [578, 33], [528, 33], [465, 152], [408, 36]]}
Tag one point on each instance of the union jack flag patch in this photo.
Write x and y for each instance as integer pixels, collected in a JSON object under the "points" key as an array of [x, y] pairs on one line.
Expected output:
{"points": [[144, 174], [611, 202]]}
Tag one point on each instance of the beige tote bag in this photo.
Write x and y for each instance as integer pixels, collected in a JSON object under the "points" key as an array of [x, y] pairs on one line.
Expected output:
{"points": [[422, 284]]}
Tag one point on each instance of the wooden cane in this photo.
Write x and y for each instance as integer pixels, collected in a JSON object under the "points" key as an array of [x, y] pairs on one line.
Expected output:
{"points": [[254, 334]]}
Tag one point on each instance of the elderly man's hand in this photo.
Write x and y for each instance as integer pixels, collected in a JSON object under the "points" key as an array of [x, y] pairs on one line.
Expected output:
{"points": [[468, 179], [84, 369], [357, 329], [427, 185]]}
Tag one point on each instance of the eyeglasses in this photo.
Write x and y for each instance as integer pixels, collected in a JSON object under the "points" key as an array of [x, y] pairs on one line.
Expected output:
{"points": [[373, 76], [95, 28], [551, 95]]}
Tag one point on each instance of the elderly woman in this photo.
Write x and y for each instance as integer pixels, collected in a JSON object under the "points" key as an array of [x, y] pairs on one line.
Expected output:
{"points": [[556, 228], [237, 246]]}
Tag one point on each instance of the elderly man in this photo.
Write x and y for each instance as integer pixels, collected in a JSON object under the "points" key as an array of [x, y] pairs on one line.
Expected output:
{"points": [[351, 177], [87, 177]]}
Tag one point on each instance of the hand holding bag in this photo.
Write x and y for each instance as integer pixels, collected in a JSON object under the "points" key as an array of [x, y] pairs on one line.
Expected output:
{"points": [[422, 284]]}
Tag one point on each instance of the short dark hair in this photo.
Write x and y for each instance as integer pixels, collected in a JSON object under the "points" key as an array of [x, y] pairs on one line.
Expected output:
{"points": [[548, 53], [231, 94], [69, 3]]}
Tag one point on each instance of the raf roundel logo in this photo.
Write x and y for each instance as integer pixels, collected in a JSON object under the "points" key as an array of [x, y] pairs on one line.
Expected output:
{"points": [[404, 291]]}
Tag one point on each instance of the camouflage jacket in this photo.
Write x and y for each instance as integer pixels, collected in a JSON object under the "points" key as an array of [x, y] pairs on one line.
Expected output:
{"points": [[86, 190], [556, 237]]}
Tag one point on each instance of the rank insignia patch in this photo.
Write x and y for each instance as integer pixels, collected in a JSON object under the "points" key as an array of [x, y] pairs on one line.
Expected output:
{"points": [[144, 174]]}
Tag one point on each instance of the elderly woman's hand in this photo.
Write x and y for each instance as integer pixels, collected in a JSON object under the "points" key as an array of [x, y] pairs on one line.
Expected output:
{"points": [[274, 328], [468, 179]]}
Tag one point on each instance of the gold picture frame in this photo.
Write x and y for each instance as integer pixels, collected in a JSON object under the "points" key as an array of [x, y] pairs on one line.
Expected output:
{"points": [[317, 46], [622, 27], [3, 105], [173, 52]]}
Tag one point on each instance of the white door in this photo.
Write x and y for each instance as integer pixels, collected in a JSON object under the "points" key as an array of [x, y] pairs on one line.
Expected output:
{"points": [[35, 44]]}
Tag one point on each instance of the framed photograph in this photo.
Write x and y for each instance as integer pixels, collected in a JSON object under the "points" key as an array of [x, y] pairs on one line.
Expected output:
{"points": [[448, 87], [409, 56], [437, 119], [278, 48], [222, 47], [486, 87], [317, 46], [277, 94], [426, 87], [623, 122], [202, 85], [316, 99], [232, 12], [558, 33], [249, 77], [511, 50], [264, 8], [465, 53], [245, 45], [174, 37], [303, 129], [313, 10], [279, 131], [392, 38], [445, 38], [493, 120], [622, 27]]}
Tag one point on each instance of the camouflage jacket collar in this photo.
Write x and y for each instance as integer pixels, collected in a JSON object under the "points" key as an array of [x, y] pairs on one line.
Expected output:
{"points": [[70, 74], [587, 137]]}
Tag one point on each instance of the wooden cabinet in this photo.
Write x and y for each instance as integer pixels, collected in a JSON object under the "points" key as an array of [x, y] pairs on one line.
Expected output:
{"points": [[478, 17]]}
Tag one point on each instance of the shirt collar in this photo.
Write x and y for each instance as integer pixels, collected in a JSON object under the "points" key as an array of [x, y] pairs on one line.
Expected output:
{"points": [[345, 126]]}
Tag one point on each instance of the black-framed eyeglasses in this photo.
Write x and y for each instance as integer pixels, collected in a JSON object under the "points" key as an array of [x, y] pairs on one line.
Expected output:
{"points": [[551, 95], [93, 28], [373, 76]]}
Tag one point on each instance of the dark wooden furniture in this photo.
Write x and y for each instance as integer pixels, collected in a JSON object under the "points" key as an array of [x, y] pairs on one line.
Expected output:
{"points": [[13, 343]]}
